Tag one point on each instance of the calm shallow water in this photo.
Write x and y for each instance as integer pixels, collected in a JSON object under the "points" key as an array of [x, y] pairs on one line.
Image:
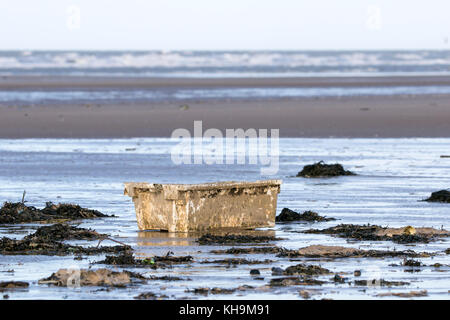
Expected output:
{"points": [[393, 174]]}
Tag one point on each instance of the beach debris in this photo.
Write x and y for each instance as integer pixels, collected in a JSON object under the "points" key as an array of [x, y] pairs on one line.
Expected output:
{"points": [[369, 232], [9, 285], [447, 251], [445, 156], [411, 294], [320, 169], [127, 259], [439, 196], [42, 242], [249, 250], [208, 238], [18, 212], [237, 261], [295, 281], [151, 296], [357, 273], [321, 251], [84, 277], [288, 215], [211, 205], [303, 269]]}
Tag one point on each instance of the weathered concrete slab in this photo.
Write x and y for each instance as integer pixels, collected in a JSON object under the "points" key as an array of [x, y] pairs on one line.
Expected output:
{"points": [[197, 207]]}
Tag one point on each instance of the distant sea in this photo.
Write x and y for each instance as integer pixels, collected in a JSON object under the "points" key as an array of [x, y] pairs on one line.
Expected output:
{"points": [[225, 63]]}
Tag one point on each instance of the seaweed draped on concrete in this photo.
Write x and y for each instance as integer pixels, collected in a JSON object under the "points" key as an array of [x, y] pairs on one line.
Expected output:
{"points": [[320, 169], [20, 213]]}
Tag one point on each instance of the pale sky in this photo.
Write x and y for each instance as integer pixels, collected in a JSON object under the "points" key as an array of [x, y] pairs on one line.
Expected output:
{"points": [[224, 24]]}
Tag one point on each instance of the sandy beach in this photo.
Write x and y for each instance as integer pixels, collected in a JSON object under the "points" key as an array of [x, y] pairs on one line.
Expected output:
{"points": [[356, 116]]}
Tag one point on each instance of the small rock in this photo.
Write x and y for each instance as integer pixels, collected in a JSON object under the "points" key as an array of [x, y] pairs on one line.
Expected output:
{"points": [[255, 272]]}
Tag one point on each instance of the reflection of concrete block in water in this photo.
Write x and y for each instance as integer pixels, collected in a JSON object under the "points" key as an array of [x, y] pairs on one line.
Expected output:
{"points": [[193, 207]]}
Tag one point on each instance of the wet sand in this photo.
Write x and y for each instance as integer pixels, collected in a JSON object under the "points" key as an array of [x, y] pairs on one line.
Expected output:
{"points": [[78, 82], [381, 116], [357, 116]]}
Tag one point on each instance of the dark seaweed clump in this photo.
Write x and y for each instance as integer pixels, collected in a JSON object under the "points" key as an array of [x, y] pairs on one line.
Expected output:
{"points": [[253, 250], [237, 261], [233, 238], [412, 263], [320, 169], [368, 233], [288, 215], [60, 232], [295, 281], [342, 252], [215, 290], [303, 269], [439, 196], [151, 296], [20, 213], [52, 248], [44, 242], [127, 259]]}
